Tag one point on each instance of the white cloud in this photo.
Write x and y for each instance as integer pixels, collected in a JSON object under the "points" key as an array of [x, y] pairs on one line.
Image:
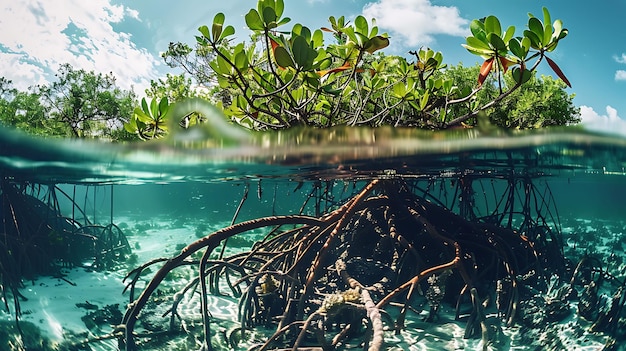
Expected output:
{"points": [[620, 59], [609, 123], [620, 74], [133, 14], [24, 74], [416, 21], [38, 36]]}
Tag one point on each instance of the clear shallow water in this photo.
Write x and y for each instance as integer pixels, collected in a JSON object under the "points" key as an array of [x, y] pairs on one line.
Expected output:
{"points": [[170, 194], [341, 152]]}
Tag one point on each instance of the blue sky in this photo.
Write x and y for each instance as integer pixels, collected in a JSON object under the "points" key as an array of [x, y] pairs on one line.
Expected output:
{"points": [[125, 37]]}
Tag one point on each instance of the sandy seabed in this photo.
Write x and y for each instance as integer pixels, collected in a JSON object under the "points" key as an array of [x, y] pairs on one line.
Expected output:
{"points": [[60, 306]]}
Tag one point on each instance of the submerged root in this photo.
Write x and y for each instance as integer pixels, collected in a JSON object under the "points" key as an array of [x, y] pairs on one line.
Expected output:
{"points": [[36, 239], [320, 282]]}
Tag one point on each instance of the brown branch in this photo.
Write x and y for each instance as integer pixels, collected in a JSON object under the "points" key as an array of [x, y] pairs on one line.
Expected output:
{"points": [[209, 242], [416, 279], [345, 211], [373, 312]]}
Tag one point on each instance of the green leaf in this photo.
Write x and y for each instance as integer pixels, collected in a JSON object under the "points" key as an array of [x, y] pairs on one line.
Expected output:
{"points": [[304, 32], [200, 40], [425, 55], [218, 23], [142, 116], [205, 31], [237, 49], [547, 28], [241, 61], [438, 57], [492, 25], [269, 16], [279, 8], [163, 106], [154, 108], [297, 94], [296, 30], [323, 60], [283, 21], [223, 82], [283, 58], [509, 34], [376, 43], [131, 126], [318, 38], [496, 42], [399, 90], [535, 42], [478, 44], [442, 115], [424, 101], [378, 83], [332, 21], [330, 89], [361, 25], [546, 17], [349, 31], [313, 80], [552, 46], [448, 84], [215, 67], [228, 31], [303, 55], [431, 64], [374, 31], [261, 4], [144, 106], [536, 27], [477, 28], [253, 20], [362, 39], [224, 66], [526, 44], [341, 21], [521, 75], [481, 53], [516, 48]]}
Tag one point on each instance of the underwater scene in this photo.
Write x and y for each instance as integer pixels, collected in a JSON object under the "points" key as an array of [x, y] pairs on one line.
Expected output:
{"points": [[338, 239]]}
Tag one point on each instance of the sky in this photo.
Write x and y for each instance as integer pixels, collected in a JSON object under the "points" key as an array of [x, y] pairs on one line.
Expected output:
{"points": [[126, 37]]}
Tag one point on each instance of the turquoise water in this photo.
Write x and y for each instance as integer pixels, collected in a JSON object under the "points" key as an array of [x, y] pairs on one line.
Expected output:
{"points": [[125, 205]]}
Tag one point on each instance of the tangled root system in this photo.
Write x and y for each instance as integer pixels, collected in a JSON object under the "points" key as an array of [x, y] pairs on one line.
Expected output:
{"points": [[356, 271]]}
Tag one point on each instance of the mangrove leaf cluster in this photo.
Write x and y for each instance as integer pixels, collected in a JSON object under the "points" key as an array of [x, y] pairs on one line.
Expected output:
{"points": [[297, 76]]}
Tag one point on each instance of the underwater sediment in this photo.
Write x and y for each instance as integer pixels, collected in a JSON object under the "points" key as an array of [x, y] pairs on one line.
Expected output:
{"points": [[351, 275]]}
